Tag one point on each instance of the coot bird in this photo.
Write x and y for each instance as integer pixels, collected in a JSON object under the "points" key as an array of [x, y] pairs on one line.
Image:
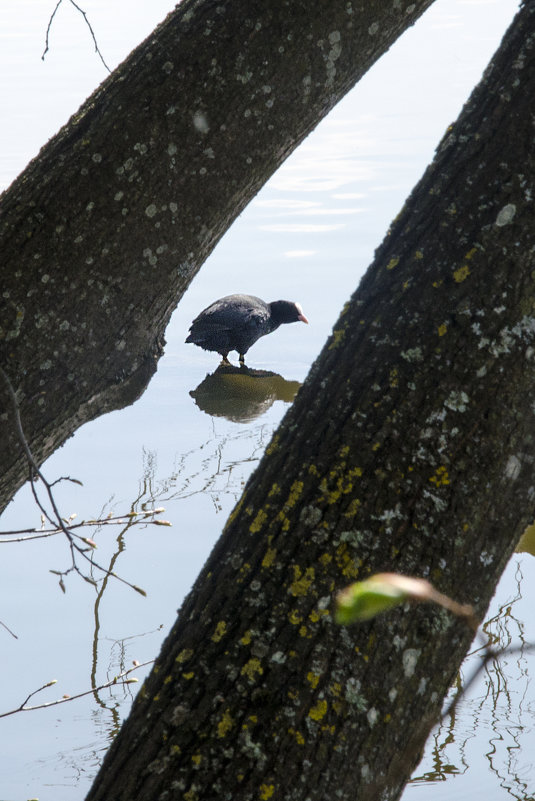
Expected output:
{"points": [[235, 322]]}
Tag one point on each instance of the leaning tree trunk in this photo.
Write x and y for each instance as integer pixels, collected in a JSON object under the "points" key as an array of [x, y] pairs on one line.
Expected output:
{"points": [[103, 232], [409, 448]]}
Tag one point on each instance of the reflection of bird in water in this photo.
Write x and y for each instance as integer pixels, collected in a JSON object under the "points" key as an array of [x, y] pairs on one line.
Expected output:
{"points": [[235, 322], [241, 394]]}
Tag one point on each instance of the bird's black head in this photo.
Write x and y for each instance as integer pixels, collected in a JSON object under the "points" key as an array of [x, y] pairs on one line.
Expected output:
{"points": [[284, 311]]}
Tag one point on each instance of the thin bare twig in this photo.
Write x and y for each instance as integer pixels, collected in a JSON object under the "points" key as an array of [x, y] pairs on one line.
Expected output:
{"points": [[8, 629], [84, 15], [58, 521], [121, 678]]}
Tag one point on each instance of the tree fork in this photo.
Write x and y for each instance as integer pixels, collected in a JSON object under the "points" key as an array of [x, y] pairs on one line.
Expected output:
{"points": [[409, 449]]}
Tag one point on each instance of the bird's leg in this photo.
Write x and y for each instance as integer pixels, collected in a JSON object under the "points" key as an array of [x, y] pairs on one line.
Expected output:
{"points": [[242, 359], [224, 359]]}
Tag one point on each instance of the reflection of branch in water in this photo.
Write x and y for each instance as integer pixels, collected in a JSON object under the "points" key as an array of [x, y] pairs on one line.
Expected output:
{"points": [[212, 469], [137, 507], [84, 15], [52, 515], [494, 667]]}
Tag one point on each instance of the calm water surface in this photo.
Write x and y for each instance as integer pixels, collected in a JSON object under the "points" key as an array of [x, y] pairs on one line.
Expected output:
{"points": [[308, 236]]}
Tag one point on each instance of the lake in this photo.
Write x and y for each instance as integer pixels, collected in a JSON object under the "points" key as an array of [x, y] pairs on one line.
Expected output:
{"points": [[308, 236]]}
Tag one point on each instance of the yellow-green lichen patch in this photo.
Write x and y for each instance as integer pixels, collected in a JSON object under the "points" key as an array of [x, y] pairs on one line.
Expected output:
{"points": [[295, 492], [392, 263], [220, 631], [461, 274], [338, 338], [275, 490], [196, 759], [244, 569], [168, 680], [348, 565], [298, 736], [442, 329], [313, 679], [273, 445], [184, 656], [441, 477], [225, 724], [269, 557], [246, 639], [235, 512], [353, 508], [188, 676], [258, 522], [252, 668], [302, 581], [295, 617], [343, 486], [418, 254], [266, 791], [319, 710]]}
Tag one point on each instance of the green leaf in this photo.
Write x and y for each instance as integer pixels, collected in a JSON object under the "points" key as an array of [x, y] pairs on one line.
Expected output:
{"points": [[366, 599]]}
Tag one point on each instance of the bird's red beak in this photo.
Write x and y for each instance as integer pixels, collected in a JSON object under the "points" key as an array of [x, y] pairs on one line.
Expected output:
{"points": [[303, 318]]}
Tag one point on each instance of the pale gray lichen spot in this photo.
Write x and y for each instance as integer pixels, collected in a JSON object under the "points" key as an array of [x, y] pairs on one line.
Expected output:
{"points": [[372, 716], [310, 516], [422, 686], [172, 149], [412, 354], [45, 278], [121, 345], [96, 158], [409, 660], [173, 208], [457, 401], [513, 467], [486, 558], [373, 29], [168, 67], [410, 8], [279, 658], [151, 210], [200, 122], [118, 196], [505, 215]]}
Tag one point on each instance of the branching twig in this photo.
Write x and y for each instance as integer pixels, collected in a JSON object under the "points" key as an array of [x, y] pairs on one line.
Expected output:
{"points": [[120, 679], [84, 15], [57, 521]]}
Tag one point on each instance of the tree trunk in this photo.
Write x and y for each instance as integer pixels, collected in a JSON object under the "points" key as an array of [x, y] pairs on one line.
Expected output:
{"points": [[409, 448], [105, 229]]}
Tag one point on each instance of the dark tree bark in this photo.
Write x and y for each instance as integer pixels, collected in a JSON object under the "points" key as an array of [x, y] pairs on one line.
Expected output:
{"points": [[409, 448], [105, 229]]}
